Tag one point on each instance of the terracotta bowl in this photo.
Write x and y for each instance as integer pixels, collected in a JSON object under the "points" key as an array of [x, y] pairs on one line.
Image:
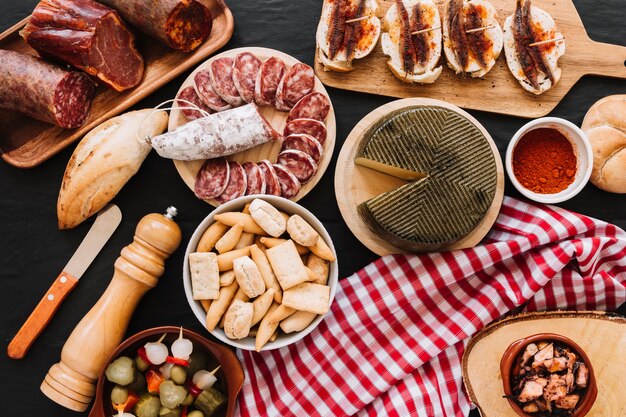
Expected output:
{"points": [[508, 362], [230, 375]]}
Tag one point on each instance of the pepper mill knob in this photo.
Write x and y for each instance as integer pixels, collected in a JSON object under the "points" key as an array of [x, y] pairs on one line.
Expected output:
{"points": [[71, 382]]}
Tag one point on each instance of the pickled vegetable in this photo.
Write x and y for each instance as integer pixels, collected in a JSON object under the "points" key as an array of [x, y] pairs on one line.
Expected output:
{"points": [[168, 412], [119, 395], [121, 371], [195, 413], [178, 374], [141, 364], [147, 406], [209, 401], [188, 400], [181, 347], [171, 395]]}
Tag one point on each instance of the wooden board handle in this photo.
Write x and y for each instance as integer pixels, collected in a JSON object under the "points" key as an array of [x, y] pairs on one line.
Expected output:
{"points": [[41, 315], [610, 60]]}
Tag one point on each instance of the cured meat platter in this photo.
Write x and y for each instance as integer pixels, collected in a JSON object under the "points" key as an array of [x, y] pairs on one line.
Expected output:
{"points": [[355, 184], [277, 119], [26, 143], [599, 334], [498, 92]]}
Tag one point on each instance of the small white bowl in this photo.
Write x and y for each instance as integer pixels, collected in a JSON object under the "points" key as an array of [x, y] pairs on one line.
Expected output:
{"points": [[582, 150], [286, 206]]}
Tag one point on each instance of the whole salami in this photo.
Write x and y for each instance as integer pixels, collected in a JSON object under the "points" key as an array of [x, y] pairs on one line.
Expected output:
{"points": [[312, 106], [237, 183], [204, 89], [189, 95], [221, 71], [245, 68], [219, 134], [299, 163], [272, 185], [88, 36], [305, 143], [255, 178], [267, 80], [297, 82], [44, 91], [289, 184], [180, 24], [212, 178], [311, 127]]}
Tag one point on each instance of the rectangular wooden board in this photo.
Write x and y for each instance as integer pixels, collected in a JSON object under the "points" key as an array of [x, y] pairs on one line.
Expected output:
{"points": [[499, 91], [27, 142]]}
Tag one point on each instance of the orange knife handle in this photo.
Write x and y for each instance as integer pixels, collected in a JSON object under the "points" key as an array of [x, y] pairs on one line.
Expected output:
{"points": [[41, 315]]}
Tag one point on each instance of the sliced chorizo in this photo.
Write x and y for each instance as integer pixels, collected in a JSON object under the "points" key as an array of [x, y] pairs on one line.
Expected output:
{"points": [[289, 185], [237, 183], [312, 106], [272, 185], [255, 178], [298, 81], [245, 69], [202, 84], [221, 71], [311, 127], [305, 143], [299, 163], [212, 178], [187, 99], [267, 80]]}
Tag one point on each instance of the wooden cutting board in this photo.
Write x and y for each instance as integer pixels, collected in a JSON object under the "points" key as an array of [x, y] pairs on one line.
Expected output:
{"points": [[26, 142], [278, 119], [499, 91], [600, 335]]}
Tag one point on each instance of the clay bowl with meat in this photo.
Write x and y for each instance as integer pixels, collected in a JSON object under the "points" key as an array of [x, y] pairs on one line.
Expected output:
{"points": [[543, 365]]}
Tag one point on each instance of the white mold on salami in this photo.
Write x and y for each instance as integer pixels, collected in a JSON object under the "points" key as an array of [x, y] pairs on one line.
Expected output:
{"points": [[237, 183], [204, 89], [255, 178], [221, 71], [299, 163], [289, 184], [312, 106], [298, 81], [311, 127], [305, 143], [245, 69], [189, 95], [268, 78], [212, 178], [272, 185]]}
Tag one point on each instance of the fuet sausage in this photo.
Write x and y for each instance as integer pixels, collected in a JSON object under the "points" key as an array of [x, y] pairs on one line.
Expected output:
{"points": [[44, 91], [88, 36], [219, 134], [180, 24]]}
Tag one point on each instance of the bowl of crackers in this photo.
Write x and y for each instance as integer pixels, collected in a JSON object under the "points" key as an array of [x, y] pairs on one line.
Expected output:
{"points": [[260, 272]]}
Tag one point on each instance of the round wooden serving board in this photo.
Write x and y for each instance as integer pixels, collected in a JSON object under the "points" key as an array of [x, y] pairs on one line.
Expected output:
{"points": [[356, 184], [278, 119], [601, 336]]}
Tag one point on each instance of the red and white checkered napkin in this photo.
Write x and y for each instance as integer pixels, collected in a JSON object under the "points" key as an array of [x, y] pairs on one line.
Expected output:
{"points": [[393, 341]]}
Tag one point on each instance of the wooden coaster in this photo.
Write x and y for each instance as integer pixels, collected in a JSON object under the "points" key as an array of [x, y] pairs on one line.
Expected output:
{"points": [[278, 119], [356, 184]]}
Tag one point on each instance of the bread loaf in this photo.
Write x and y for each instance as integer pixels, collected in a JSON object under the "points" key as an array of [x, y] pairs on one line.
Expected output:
{"points": [[605, 126], [104, 160]]}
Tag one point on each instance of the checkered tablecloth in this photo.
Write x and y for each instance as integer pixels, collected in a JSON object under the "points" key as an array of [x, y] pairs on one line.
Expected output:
{"points": [[393, 340]]}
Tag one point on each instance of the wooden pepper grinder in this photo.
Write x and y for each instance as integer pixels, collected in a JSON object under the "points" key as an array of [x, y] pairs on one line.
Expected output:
{"points": [[72, 382]]}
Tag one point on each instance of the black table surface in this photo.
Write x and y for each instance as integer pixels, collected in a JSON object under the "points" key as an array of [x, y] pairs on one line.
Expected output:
{"points": [[34, 251]]}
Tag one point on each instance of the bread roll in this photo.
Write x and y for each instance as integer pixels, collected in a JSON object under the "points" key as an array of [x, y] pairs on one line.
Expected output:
{"points": [[605, 126], [104, 160]]}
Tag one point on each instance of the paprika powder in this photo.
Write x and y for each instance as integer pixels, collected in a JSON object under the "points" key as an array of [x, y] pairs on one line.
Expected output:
{"points": [[544, 161]]}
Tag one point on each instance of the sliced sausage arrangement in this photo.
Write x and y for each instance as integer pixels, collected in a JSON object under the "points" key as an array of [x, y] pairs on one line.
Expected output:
{"points": [[228, 83]]}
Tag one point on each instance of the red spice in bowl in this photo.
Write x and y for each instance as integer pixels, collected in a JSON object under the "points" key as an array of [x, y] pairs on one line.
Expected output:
{"points": [[544, 161]]}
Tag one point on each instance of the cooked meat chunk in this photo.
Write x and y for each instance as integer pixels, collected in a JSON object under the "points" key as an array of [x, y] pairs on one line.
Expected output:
{"points": [[531, 391], [556, 388], [582, 376], [568, 402]]}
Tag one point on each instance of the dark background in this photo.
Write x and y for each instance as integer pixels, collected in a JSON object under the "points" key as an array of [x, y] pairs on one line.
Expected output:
{"points": [[33, 251]]}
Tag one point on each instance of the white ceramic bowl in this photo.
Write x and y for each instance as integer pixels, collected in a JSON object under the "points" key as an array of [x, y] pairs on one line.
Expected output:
{"points": [[283, 205], [582, 150]]}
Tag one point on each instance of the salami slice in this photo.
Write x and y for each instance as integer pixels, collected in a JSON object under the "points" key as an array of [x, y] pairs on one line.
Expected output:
{"points": [[305, 143], [298, 162], [272, 186], [312, 106], [44, 91], [221, 71], [267, 80], [189, 95], [202, 84], [212, 178], [237, 183], [245, 69], [311, 127], [255, 178], [297, 82], [289, 184]]}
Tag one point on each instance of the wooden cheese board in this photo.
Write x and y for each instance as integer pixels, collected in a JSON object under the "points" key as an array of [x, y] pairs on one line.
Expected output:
{"points": [[189, 169], [498, 92], [26, 142], [355, 184], [602, 336]]}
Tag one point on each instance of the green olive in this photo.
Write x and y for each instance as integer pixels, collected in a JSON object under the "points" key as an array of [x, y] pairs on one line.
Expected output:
{"points": [[142, 365], [188, 400], [195, 413], [119, 395], [178, 374]]}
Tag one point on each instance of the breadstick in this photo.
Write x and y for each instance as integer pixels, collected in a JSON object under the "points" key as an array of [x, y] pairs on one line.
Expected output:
{"points": [[211, 236], [246, 239], [269, 324], [246, 209], [322, 250], [261, 305], [266, 216], [227, 278], [230, 239], [270, 242], [231, 218], [206, 304], [257, 241], [248, 276], [225, 260], [274, 336], [267, 273], [298, 321], [301, 232], [218, 307], [319, 265], [239, 295]]}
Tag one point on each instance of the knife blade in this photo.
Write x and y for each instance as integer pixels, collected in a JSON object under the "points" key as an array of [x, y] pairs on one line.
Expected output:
{"points": [[106, 222]]}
